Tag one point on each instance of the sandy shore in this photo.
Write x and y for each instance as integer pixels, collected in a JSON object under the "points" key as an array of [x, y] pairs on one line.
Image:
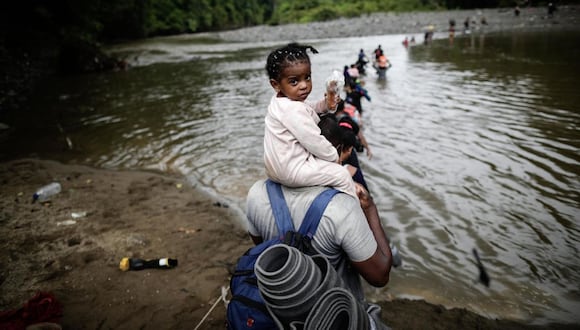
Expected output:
{"points": [[72, 246], [134, 214]]}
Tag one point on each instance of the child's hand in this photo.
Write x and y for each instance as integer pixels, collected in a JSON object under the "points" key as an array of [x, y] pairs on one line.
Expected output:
{"points": [[332, 86], [332, 98], [334, 83]]}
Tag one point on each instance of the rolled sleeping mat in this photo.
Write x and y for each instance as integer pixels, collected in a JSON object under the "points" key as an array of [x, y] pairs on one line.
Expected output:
{"points": [[298, 310], [291, 283], [337, 309], [277, 263], [277, 280], [287, 292]]}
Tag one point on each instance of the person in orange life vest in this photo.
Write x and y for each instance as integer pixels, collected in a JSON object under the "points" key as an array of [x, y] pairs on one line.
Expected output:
{"points": [[383, 62], [378, 52]]}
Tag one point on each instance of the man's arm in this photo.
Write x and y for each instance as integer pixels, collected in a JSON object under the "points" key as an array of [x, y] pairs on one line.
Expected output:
{"points": [[376, 269]]}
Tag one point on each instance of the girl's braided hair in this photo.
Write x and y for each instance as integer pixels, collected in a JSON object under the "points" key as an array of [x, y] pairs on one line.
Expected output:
{"points": [[283, 57]]}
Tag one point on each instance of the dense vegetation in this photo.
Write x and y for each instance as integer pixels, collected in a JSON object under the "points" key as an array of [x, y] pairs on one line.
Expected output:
{"points": [[58, 36], [39, 36], [289, 11], [75, 28]]}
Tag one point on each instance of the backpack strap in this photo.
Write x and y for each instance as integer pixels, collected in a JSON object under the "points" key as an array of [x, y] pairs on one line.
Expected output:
{"points": [[315, 211], [279, 207]]}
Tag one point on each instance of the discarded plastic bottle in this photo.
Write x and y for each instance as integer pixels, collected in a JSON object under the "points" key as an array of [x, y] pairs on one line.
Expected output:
{"points": [[45, 193], [140, 264]]}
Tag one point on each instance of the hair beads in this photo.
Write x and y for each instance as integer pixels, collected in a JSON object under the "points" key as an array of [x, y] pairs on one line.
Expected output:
{"points": [[286, 56]]}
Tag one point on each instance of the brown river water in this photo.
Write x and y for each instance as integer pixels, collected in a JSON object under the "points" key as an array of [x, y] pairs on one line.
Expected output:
{"points": [[476, 145]]}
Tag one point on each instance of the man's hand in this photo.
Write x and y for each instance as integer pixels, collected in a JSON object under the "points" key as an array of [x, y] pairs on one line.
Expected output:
{"points": [[363, 196]]}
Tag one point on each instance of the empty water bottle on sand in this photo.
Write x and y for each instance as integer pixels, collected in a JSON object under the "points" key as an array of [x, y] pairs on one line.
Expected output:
{"points": [[45, 193], [139, 264]]}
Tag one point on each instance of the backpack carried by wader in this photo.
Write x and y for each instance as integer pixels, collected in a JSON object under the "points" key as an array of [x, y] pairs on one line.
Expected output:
{"points": [[247, 309]]}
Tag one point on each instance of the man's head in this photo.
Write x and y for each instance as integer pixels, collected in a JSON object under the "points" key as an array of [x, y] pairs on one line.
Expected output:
{"points": [[339, 134]]}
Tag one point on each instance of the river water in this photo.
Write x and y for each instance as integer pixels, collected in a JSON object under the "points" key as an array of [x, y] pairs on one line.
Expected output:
{"points": [[476, 146]]}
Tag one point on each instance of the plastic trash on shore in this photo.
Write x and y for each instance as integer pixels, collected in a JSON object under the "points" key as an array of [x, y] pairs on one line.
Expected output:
{"points": [[140, 264], [45, 193], [78, 215], [66, 223]]}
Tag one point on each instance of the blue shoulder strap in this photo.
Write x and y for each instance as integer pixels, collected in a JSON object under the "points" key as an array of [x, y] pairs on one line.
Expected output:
{"points": [[315, 211], [282, 214], [279, 207]]}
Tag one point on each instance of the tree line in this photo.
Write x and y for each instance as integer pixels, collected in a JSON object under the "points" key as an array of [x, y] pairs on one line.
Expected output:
{"points": [[71, 32], [39, 37], [106, 20]]}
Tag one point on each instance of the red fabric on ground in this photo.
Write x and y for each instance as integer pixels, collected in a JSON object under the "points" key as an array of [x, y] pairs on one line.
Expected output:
{"points": [[43, 307]]}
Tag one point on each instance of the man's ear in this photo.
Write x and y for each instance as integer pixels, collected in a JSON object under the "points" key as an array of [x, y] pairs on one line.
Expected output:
{"points": [[274, 83], [348, 149]]}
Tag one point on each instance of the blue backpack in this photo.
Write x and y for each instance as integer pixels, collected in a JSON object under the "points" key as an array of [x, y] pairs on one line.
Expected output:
{"points": [[247, 309]]}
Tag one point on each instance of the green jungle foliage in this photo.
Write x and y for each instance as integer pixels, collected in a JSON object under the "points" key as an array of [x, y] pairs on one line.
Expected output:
{"points": [[40, 37], [107, 20], [70, 31]]}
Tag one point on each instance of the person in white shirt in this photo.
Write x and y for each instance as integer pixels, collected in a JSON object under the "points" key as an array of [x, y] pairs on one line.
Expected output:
{"points": [[350, 237]]}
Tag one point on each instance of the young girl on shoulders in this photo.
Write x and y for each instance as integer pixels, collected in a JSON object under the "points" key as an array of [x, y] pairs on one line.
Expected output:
{"points": [[295, 154]]}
